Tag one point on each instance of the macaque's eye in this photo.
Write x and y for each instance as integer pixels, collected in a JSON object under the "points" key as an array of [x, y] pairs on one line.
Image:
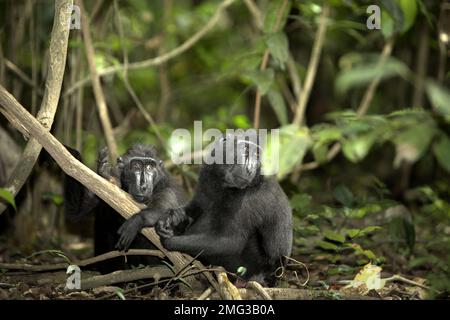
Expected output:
{"points": [[136, 165]]}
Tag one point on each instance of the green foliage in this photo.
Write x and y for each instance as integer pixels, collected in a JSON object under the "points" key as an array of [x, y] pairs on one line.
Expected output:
{"points": [[8, 197], [360, 70], [398, 17], [281, 156], [279, 47]]}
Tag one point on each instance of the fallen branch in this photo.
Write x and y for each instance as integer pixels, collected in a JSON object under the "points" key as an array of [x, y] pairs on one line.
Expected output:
{"points": [[298, 294], [82, 263], [259, 289], [227, 290], [126, 276]]}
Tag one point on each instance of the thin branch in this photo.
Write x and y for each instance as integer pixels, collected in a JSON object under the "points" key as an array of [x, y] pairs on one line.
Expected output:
{"points": [[127, 84], [312, 66], [265, 61], [82, 263], [57, 61], [22, 75], [165, 57], [362, 109], [96, 86], [421, 66], [126, 276]]}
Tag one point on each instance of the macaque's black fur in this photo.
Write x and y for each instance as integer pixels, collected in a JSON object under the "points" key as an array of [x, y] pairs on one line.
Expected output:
{"points": [[236, 218], [159, 194]]}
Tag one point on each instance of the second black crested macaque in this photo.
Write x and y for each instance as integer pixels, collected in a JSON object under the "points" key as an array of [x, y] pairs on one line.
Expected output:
{"points": [[140, 173]]}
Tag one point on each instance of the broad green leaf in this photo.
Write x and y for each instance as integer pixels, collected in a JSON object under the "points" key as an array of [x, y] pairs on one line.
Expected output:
{"points": [[327, 245], [398, 17], [8, 197], [439, 97], [363, 74], [334, 236], [357, 148], [272, 12], [441, 149], [263, 79], [320, 152], [391, 18], [343, 195], [279, 47], [279, 107], [412, 143], [355, 233], [283, 154], [409, 9]]}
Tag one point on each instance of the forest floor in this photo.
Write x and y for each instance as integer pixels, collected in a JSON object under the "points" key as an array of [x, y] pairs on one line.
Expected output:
{"points": [[300, 280]]}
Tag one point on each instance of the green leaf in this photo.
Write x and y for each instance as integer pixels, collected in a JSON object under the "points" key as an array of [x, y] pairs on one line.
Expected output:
{"points": [[8, 197], [283, 154], [356, 233], [356, 149], [362, 74], [327, 245], [279, 107], [263, 79], [333, 236], [241, 121], [279, 47], [409, 9], [241, 270], [343, 195], [300, 201], [119, 293], [412, 143], [441, 149], [320, 152], [272, 14], [439, 97], [398, 17]]}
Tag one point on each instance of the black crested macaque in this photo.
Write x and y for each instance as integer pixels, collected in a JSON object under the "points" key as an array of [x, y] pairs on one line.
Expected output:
{"points": [[237, 218], [140, 173]]}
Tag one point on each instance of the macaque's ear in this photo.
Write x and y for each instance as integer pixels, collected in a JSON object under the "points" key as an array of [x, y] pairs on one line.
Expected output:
{"points": [[160, 163]]}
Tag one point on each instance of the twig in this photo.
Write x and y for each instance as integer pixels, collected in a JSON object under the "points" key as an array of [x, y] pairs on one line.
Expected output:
{"points": [[165, 57], [205, 294], [82, 263], [126, 276], [259, 289], [397, 277], [421, 66], [22, 75]]}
